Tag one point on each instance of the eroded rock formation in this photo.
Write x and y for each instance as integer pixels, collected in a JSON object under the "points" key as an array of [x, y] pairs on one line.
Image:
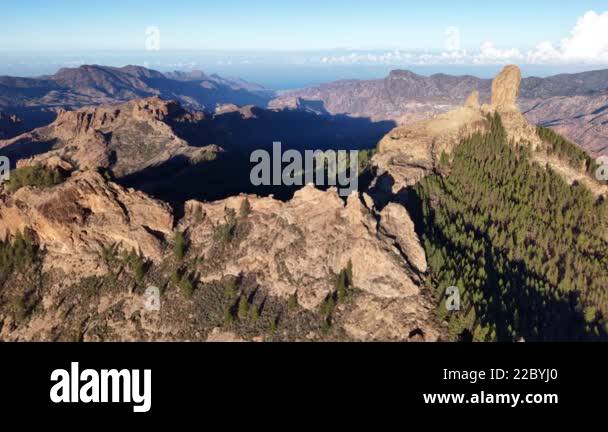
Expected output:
{"points": [[125, 138], [73, 221]]}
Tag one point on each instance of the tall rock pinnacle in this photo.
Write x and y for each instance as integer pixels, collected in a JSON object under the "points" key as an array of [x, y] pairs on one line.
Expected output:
{"points": [[505, 88]]}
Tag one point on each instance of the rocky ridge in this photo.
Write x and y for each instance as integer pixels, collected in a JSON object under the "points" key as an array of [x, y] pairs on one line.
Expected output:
{"points": [[410, 152], [275, 250], [572, 104], [125, 138], [293, 248]]}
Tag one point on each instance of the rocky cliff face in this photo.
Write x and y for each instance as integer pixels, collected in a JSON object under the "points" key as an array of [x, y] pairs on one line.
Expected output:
{"points": [[289, 249], [319, 235], [87, 226], [571, 103], [409, 153], [124, 138], [297, 248], [73, 221], [505, 89]]}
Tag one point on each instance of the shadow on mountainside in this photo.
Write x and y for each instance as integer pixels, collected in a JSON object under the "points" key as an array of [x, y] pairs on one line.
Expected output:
{"points": [[205, 96], [252, 128], [536, 316], [177, 181], [23, 149], [29, 119]]}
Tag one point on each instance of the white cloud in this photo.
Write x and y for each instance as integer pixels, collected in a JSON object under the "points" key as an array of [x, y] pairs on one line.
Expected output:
{"points": [[490, 54], [588, 43]]}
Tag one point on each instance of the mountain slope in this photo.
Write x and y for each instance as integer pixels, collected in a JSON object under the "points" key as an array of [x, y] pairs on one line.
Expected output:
{"points": [[476, 198], [581, 118], [73, 88], [312, 268], [122, 139], [570, 103], [508, 213]]}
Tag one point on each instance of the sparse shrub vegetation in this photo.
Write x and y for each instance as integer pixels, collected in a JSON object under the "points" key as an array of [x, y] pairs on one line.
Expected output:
{"points": [[109, 255], [37, 176], [255, 314], [243, 309], [228, 316], [186, 286], [179, 245], [224, 233], [138, 265], [230, 286], [292, 303], [17, 255], [18, 308], [341, 286], [328, 305], [176, 277], [245, 208]]}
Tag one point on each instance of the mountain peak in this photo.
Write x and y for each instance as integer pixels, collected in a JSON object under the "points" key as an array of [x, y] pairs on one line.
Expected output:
{"points": [[505, 88], [404, 74]]}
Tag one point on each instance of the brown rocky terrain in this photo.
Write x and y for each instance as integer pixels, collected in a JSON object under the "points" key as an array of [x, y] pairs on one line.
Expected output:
{"points": [[410, 152], [124, 138], [573, 104], [314, 267], [96, 238], [38, 100], [288, 249], [73, 220], [581, 118]]}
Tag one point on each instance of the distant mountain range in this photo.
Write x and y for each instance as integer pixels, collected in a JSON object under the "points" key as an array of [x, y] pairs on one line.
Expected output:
{"points": [[36, 100], [574, 104]]}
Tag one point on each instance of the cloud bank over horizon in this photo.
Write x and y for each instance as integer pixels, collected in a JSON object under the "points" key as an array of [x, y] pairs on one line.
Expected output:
{"points": [[587, 44]]}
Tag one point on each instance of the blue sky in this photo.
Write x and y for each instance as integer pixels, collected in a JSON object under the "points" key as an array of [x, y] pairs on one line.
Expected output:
{"points": [[291, 43], [286, 25]]}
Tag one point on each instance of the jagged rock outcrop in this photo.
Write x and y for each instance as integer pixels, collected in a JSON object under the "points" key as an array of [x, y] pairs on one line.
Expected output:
{"points": [[396, 223], [295, 247], [409, 153], [572, 104], [72, 221], [298, 245], [505, 88], [125, 138]]}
